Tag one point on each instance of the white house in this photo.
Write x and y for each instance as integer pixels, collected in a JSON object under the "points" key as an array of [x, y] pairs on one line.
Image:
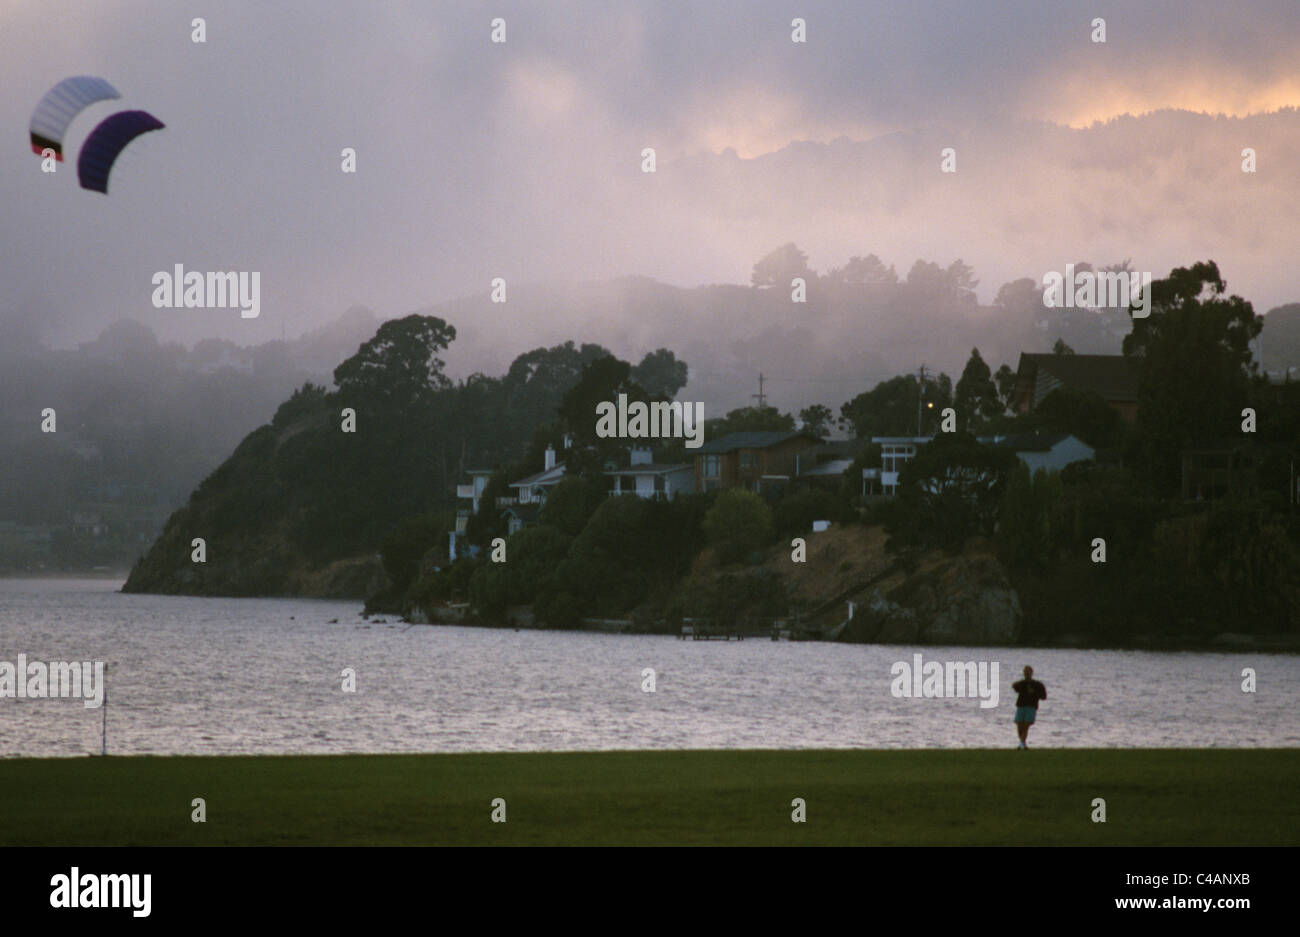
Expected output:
{"points": [[647, 479], [535, 488], [519, 511], [473, 493], [895, 451], [1051, 451], [474, 490]]}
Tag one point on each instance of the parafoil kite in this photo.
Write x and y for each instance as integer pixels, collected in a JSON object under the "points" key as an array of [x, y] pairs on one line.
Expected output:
{"points": [[60, 105], [106, 141]]}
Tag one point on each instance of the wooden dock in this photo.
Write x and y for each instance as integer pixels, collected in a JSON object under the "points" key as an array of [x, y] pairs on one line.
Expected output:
{"points": [[775, 629], [704, 630]]}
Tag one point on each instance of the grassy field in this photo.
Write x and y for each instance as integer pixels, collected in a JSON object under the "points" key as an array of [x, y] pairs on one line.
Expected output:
{"points": [[1040, 797]]}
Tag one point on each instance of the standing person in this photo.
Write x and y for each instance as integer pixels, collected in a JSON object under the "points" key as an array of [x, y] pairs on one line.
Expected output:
{"points": [[1028, 692]]}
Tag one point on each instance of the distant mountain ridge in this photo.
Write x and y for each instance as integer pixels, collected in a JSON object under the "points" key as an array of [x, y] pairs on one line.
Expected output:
{"points": [[138, 424]]}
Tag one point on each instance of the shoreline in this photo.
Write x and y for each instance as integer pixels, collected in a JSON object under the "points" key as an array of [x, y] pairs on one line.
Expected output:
{"points": [[1225, 642], [109, 577], [1239, 643]]}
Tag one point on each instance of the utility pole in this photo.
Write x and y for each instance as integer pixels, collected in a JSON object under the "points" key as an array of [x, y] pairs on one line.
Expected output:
{"points": [[920, 395], [762, 397]]}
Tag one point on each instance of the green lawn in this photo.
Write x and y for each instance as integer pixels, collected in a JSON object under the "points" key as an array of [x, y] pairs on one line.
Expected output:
{"points": [[1041, 797]]}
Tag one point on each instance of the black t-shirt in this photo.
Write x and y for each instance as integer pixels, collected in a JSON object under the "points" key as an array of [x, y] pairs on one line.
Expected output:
{"points": [[1029, 692]]}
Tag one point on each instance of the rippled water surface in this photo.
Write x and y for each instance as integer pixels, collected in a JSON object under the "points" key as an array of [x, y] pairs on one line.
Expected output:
{"points": [[222, 676]]}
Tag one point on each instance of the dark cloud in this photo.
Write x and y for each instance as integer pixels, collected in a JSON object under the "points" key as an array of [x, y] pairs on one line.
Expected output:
{"points": [[522, 161]]}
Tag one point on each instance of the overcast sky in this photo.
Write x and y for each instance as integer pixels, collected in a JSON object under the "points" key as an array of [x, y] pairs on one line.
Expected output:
{"points": [[522, 159]]}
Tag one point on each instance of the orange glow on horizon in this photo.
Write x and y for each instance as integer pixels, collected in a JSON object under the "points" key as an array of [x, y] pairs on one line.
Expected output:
{"points": [[755, 122], [1083, 102]]}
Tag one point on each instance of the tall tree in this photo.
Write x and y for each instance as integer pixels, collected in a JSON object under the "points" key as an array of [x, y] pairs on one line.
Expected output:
{"points": [[817, 419], [1020, 296], [749, 420], [890, 408], [949, 491], [1196, 361], [956, 282], [961, 279], [661, 374], [602, 381], [976, 399], [1020, 312], [400, 365], [864, 270], [780, 266], [536, 384]]}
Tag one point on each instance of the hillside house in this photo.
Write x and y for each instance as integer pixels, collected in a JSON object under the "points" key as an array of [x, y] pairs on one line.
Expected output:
{"points": [[518, 511], [646, 478], [825, 464], [755, 461], [1114, 378], [535, 488], [1051, 451], [468, 497], [895, 452], [473, 491]]}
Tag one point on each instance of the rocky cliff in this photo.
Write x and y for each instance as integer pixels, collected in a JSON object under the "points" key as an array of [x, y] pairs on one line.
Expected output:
{"points": [[964, 599]]}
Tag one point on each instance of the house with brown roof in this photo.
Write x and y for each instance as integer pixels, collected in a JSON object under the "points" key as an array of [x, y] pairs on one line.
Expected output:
{"points": [[755, 460], [1114, 378]]}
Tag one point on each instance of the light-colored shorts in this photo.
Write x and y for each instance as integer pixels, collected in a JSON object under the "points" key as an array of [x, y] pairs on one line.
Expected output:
{"points": [[1025, 714]]}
